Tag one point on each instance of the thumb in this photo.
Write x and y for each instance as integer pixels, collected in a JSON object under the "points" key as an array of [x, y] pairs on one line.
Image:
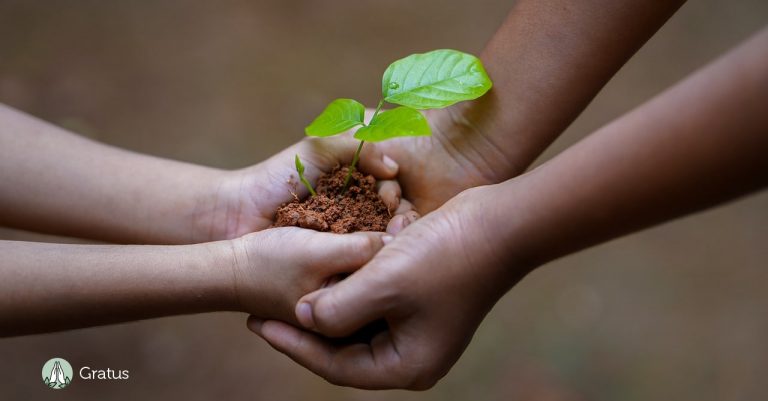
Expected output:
{"points": [[342, 309]]}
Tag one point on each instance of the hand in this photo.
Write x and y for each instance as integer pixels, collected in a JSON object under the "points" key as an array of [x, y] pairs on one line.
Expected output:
{"points": [[430, 170], [433, 284], [273, 268], [245, 201], [459, 155]]}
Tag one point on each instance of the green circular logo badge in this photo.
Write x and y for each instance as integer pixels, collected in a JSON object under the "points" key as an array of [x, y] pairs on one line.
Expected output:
{"points": [[57, 373]]}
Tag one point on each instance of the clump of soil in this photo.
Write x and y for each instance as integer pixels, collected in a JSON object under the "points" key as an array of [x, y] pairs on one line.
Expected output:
{"points": [[360, 208]]}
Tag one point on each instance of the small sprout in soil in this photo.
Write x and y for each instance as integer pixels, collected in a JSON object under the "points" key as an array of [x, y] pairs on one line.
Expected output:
{"points": [[300, 170], [432, 80]]}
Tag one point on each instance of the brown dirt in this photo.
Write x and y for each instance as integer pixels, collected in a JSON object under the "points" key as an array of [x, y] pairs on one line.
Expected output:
{"points": [[359, 209]]}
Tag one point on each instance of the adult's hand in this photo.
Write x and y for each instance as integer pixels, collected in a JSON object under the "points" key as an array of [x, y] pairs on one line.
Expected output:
{"points": [[547, 61], [434, 283], [421, 284]]}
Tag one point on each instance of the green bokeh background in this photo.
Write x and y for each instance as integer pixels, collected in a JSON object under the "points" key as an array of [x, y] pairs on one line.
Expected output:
{"points": [[676, 312]]}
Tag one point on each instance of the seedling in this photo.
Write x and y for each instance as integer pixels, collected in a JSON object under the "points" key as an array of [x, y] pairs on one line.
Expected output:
{"points": [[432, 80], [300, 170]]}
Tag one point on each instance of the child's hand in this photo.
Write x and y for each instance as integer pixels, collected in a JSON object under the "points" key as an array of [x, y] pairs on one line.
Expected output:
{"points": [[245, 200], [273, 268]]}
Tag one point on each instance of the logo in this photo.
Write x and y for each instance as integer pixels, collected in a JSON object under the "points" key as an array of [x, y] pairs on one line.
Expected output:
{"points": [[57, 373]]}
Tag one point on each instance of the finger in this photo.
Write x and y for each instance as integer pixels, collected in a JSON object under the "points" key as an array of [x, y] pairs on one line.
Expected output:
{"points": [[373, 161], [404, 206], [305, 348], [401, 221], [390, 193], [343, 253], [367, 366], [341, 310], [396, 224]]}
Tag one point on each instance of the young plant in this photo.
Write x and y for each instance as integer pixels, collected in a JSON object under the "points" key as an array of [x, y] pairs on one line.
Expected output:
{"points": [[432, 80], [300, 170]]}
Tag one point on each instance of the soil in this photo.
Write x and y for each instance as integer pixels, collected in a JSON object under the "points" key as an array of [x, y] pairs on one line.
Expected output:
{"points": [[360, 208]]}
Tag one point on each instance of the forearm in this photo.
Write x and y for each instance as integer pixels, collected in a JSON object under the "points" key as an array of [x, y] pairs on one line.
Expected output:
{"points": [[49, 287], [57, 182], [548, 60], [700, 143]]}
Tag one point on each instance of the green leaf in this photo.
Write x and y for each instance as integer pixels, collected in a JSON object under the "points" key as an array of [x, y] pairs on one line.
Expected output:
{"points": [[400, 121], [435, 79], [339, 116]]}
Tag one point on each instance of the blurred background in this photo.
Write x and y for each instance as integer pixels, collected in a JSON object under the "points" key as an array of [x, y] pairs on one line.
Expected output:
{"points": [[676, 312]]}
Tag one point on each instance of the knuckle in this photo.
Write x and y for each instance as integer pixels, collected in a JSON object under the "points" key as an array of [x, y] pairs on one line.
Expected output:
{"points": [[372, 150], [363, 248]]}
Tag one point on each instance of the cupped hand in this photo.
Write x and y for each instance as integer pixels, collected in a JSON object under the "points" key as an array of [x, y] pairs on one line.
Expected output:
{"points": [[459, 155], [429, 170], [272, 269], [245, 200], [433, 284]]}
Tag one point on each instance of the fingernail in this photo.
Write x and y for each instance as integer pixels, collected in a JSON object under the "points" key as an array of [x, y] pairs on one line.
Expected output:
{"points": [[386, 239], [390, 163], [304, 315]]}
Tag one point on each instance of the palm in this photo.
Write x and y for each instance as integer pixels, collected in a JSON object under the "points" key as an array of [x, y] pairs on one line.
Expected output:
{"points": [[247, 199], [428, 330]]}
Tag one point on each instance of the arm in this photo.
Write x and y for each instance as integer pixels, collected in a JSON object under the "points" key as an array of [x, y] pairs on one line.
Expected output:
{"points": [[56, 182], [699, 144], [547, 60], [49, 287]]}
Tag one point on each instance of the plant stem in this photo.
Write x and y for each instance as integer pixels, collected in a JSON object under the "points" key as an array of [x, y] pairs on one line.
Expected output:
{"points": [[378, 108], [307, 184], [352, 166], [300, 170]]}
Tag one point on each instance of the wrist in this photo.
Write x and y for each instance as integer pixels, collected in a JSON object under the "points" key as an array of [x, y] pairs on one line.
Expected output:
{"points": [[219, 259], [247, 290], [211, 204], [170, 200], [500, 235], [476, 129], [523, 224]]}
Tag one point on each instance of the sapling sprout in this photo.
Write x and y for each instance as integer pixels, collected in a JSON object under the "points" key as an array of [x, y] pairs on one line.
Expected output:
{"points": [[431, 80], [300, 170]]}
